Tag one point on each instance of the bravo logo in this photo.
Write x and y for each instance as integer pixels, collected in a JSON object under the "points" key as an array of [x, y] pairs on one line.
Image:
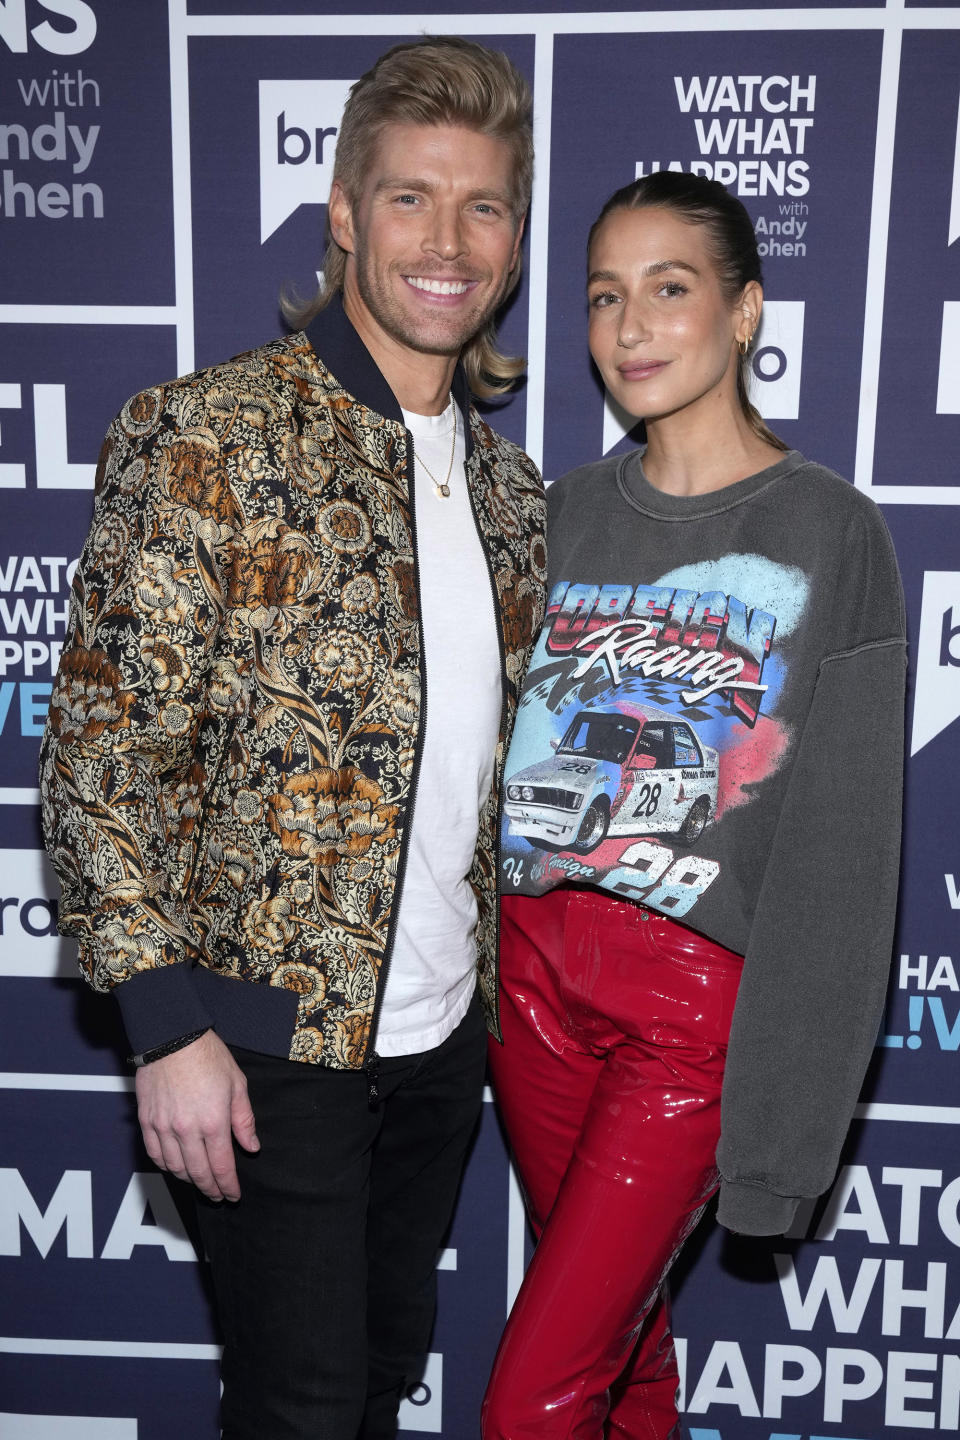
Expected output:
{"points": [[773, 380], [299, 120], [76, 35], [422, 1406], [937, 693], [29, 943], [775, 362]]}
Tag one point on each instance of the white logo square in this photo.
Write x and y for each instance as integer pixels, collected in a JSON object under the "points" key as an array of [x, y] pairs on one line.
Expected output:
{"points": [[422, 1406], [29, 943], [936, 702], [776, 360], [299, 121], [948, 384]]}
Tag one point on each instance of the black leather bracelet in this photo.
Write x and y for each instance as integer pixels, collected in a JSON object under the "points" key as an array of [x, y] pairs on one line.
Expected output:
{"points": [[170, 1047]]}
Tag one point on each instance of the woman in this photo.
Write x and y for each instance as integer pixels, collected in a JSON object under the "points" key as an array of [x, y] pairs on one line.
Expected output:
{"points": [[702, 812]]}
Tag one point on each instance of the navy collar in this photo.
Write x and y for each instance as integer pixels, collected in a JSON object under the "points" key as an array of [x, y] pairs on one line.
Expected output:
{"points": [[339, 346]]}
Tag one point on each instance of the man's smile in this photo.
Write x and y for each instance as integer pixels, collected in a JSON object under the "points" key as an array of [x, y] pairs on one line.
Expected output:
{"points": [[439, 287]]}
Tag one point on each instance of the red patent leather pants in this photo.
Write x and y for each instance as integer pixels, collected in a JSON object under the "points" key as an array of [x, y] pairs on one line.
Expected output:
{"points": [[615, 1025]]}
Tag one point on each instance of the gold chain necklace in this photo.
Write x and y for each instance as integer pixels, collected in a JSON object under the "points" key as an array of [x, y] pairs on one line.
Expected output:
{"points": [[440, 488]]}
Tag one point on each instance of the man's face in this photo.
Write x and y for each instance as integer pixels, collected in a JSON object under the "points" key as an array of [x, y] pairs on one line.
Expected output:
{"points": [[432, 237]]}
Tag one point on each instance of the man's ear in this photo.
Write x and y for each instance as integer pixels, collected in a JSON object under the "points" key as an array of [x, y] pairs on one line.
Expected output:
{"points": [[340, 217]]}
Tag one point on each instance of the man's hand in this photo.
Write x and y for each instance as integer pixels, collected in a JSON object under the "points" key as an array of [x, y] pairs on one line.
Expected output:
{"points": [[189, 1104]]}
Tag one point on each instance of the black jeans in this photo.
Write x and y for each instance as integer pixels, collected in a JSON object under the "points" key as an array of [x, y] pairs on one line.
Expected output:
{"points": [[325, 1269]]}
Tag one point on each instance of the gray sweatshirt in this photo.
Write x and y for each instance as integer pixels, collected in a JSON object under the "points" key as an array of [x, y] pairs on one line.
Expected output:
{"points": [[712, 726]]}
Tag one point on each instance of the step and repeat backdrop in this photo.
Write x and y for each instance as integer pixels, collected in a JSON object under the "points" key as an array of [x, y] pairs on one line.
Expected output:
{"points": [[163, 174]]}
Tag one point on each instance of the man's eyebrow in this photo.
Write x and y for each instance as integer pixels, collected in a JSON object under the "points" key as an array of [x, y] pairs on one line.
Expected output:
{"points": [[659, 267], [403, 182]]}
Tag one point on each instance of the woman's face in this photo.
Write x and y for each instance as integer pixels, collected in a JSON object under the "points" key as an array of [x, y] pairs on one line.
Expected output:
{"points": [[661, 333]]}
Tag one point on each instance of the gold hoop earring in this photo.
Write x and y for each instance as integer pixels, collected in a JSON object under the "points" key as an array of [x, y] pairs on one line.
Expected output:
{"points": [[744, 345]]}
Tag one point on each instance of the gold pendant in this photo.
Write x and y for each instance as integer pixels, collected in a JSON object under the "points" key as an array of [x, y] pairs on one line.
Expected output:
{"points": [[444, 491]]}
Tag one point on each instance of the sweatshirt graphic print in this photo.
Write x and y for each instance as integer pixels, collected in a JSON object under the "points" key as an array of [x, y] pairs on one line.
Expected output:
{"points": [[650, 711]]}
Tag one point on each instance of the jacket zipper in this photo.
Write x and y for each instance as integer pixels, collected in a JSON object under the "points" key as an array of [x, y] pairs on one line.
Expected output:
{"points": [[497, 777], [371, 1060]]}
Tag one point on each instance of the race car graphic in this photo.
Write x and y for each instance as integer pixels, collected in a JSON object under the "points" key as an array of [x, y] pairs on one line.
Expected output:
{"points": [[616, 774]]}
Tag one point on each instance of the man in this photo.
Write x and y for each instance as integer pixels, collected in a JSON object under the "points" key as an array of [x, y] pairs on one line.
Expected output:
{"points": [[285, 872]]}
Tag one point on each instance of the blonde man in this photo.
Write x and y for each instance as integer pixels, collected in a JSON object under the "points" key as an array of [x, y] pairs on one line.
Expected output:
{"points": [[281, 867]]}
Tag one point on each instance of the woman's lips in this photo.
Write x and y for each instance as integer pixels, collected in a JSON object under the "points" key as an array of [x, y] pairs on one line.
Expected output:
{"points": [[641, 369]]}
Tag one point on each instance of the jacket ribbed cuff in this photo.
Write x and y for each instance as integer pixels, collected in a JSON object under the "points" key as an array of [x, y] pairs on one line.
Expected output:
{"points": [[159, 1005], [751, 1210]]}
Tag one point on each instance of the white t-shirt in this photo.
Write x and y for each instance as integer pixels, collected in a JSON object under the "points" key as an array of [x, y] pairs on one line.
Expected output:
{"points": [[432, 970]]}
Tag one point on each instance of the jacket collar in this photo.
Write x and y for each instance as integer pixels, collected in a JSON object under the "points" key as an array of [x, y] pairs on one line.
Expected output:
{"points": [[338, 345]]}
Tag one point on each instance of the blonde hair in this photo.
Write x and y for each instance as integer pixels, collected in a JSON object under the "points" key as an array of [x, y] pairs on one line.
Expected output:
{"points": [[440, 80]]}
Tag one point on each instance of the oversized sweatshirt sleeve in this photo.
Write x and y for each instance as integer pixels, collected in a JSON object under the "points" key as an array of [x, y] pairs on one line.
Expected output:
{"points": [[817, 963], [121, 789]]}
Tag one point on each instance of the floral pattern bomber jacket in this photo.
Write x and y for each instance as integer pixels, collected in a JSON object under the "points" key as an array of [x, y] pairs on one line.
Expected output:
{"points": [[234, 733]]}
